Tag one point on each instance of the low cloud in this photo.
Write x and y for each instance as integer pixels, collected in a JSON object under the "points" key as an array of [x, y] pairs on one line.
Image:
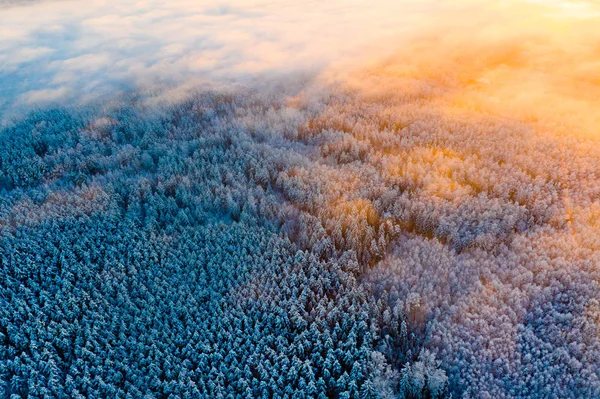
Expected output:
{"points": [[59, 46]]}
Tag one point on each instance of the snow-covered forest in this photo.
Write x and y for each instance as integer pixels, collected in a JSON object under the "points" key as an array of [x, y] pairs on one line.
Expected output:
{"points": [[254, 244], [414, 230]]}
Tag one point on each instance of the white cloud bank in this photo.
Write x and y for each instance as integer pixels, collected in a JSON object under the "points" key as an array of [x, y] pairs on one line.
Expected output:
{"points": [[73, 50], [86, 51]]}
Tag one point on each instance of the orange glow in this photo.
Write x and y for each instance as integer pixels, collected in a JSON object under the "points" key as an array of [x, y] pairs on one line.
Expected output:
{"points": [[526, 67], [528, 62]]}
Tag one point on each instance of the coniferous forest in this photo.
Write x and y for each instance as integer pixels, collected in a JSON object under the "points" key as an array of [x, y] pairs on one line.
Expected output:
{"points": [[299, 237]]}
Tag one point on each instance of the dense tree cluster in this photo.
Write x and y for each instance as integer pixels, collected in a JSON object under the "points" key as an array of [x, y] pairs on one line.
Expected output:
{"points": [[493, 223], [150, 253], [337, 243]]}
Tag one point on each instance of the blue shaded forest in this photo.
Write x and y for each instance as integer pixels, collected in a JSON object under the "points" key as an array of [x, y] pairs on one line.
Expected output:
{"points": [[240, 245]]}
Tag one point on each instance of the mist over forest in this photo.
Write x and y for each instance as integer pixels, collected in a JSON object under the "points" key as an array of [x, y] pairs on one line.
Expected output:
{"points": [[282, 200]]}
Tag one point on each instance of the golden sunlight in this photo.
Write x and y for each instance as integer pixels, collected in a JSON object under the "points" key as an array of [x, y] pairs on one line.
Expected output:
{"points": [[527, 61]]}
